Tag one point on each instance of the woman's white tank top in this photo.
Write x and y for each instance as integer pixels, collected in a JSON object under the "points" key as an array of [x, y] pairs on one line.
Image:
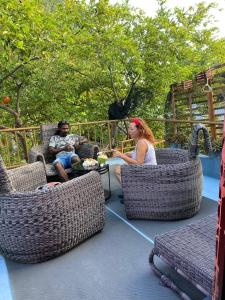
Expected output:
{"points": [[150, 158]]}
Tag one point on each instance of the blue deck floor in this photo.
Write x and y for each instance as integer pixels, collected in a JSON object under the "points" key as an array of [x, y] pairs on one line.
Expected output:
{"points": [[16, 278]]}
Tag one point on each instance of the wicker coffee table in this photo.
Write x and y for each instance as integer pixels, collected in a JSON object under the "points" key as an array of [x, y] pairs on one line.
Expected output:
{"points": [[101, 170]]}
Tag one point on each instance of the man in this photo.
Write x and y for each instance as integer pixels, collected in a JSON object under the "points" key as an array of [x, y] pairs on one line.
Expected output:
{"points": [[63, 144]]}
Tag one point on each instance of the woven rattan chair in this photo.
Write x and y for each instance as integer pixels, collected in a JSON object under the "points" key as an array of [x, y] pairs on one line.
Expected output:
{"points": [[40, 152], [38, 225], [189, 250], [169, 190]]}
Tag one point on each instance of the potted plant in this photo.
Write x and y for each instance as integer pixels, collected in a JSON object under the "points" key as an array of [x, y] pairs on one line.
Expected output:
{"points": [[217, 146]]}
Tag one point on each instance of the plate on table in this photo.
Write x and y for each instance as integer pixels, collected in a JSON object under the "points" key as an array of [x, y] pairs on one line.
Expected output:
{"points": [[90, 164]]}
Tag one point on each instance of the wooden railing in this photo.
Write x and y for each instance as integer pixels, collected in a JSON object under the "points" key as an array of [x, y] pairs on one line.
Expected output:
{"points": [[15, 143], [128, 145]]}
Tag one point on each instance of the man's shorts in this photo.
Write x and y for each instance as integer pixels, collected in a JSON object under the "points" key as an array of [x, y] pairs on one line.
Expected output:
{"points": [[65, 160]]}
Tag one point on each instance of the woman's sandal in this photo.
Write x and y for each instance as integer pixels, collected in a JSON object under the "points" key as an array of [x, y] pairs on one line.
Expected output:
{"points": [[121, 198]]}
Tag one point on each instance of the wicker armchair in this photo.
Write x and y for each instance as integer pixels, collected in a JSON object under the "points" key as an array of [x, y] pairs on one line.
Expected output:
{"points": [[40, 152], [39, 225], [191, 251], [168, 191]]}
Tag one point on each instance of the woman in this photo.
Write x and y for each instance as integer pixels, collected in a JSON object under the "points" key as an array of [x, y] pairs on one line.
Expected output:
{"points": [[144, 152]]}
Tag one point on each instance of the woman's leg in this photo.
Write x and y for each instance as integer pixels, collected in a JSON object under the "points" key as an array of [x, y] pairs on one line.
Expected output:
{"points": [[117, 172], [118, 177]]}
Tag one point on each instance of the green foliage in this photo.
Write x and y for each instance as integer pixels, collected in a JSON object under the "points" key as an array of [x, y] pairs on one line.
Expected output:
{"points": [[89, 54], [179, 139], [217, 145]]}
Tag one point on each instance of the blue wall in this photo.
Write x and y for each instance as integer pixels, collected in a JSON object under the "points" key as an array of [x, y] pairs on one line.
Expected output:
{"points": [[211, 165]]}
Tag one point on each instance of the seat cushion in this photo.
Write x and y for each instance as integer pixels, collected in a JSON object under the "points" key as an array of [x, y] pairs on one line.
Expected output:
{"points": [[51, 171], [191, 249]]}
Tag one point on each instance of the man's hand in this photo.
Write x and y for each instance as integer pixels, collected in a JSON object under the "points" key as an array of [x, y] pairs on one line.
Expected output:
{"points": [[117, 153], [68, 148]]}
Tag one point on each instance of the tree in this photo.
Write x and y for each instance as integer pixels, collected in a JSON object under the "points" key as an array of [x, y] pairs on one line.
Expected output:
{"points": [[91, 54], [176, 45]]}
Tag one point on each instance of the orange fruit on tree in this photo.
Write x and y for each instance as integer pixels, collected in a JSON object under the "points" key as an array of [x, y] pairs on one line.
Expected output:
{"points": [[6, 99]]}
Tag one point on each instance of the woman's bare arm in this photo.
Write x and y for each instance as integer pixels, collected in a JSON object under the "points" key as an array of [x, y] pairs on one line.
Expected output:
{"points": [[141, 150], [128, 154]]}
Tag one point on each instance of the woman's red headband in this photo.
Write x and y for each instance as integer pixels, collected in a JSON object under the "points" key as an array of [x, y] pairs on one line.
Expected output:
{"points": [[136, 121]]}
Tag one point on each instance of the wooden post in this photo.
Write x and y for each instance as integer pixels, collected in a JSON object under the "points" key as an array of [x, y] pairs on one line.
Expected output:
{"points": [[190, 108], [109, 135], [7, 147], [24, 145], [122, 146], [88, 133], [219, 278], [95, 135], [101, 138], [174, 111], [211, 114], [17, 146], [190, 105]]}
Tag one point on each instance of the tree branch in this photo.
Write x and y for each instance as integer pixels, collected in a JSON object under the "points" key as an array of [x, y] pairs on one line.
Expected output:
{"points": [[21, 138], [18, 88], [18, 122], [10, 110], [133, 82], [112, 83], [17, 68], [98, 85]]}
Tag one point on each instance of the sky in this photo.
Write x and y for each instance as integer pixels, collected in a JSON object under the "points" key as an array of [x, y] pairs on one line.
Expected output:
{"points": [[150, 7]]}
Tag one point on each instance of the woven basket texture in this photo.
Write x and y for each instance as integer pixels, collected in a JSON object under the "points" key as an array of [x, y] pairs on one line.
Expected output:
{"points": [[191, 249], [39, 225], [169, 190], [5, 182]]}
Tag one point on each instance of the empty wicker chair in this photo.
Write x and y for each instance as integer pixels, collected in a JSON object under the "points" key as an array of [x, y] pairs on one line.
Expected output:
{"points": [[168, 191], [39, 225], [191, 251], [40, 152]]}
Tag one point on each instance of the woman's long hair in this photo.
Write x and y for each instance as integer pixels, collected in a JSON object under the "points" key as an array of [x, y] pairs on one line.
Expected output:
{"points": [[144, 130]]}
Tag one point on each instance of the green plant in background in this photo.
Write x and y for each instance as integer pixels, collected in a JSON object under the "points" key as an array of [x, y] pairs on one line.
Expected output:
{"points": [[217, 145], [180, 139]]}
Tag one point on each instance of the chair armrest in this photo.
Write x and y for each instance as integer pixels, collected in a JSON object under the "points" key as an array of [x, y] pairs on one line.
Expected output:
{"points": [[86, 189], [78, 202], [87, 150], [37, 154], [28, 177], [158, 174]]}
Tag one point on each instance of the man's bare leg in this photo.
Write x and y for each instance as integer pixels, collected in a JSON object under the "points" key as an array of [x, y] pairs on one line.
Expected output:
{"points": [[75, 159], [61, 171]]}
